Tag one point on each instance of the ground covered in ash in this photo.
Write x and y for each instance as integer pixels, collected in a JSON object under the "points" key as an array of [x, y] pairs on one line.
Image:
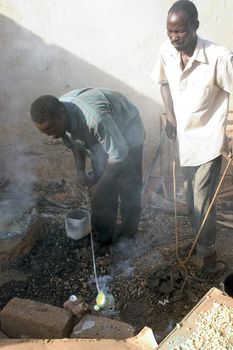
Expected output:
{"points": [[144, 277]]}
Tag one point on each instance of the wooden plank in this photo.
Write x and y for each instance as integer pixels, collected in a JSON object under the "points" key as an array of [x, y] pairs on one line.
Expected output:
{"points": [[225, 194], [224, 206], [226, 189], [227, 217], [225, 223]]}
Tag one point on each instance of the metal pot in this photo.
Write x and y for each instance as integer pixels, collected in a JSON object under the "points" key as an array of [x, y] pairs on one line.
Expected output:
{"points": [[78, 223]]}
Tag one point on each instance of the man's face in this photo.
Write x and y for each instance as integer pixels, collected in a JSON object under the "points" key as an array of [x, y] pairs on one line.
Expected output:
{"points": [[180, 31], [55, 127]]}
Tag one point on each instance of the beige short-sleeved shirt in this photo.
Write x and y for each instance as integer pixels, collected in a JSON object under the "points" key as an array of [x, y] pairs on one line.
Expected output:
{"points": [[200, 96]]}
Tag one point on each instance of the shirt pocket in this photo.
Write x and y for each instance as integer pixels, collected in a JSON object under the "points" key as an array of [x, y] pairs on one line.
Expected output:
{"points": [[201, 97]]}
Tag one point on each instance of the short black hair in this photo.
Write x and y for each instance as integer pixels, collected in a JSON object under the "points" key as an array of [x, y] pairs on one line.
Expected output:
{"points": [[188, 7], [45, 107]]}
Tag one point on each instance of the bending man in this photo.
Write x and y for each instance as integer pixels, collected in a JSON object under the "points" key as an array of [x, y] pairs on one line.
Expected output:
{"points": [[103, 125]]}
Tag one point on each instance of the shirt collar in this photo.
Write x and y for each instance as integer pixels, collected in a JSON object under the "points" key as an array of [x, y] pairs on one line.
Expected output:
{"points": [[199, 53]]}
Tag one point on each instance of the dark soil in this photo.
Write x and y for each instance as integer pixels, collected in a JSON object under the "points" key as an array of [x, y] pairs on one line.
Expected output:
{"points": [[141, 276]]}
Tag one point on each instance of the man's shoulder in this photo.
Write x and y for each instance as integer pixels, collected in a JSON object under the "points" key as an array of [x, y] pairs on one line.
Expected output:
{"points": [[69, 96], [215, 50], [88, 98]]}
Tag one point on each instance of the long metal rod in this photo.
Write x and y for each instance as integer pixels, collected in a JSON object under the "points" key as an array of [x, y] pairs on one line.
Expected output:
{"points": [[149, 171], [94, 265], [88, 202], [208, 211], [182, 264]]}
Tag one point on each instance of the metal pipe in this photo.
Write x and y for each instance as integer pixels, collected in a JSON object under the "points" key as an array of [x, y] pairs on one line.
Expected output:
{"points": [[149, 171]]}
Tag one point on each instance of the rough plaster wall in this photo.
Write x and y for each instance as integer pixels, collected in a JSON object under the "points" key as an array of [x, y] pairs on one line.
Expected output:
{"points": [[52, 46]]}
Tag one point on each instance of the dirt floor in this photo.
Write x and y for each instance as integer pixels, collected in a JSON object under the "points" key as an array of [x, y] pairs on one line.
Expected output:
{"points": [[144, 277]]}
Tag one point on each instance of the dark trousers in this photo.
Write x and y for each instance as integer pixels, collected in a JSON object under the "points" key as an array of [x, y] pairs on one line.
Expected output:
{"points": [[200, 183], [123, 188]]}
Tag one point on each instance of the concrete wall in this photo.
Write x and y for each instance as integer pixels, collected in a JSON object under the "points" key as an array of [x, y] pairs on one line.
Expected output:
{"points": [[53, 46]]}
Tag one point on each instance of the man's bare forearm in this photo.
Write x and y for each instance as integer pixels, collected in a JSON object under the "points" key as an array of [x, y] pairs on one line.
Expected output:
{"points": [[79, 158], [109, 171], [168, 103], [170, 126], [80, 162]]}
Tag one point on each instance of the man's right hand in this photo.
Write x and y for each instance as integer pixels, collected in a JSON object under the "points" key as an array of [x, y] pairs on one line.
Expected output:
{"points": [[170, 130]]}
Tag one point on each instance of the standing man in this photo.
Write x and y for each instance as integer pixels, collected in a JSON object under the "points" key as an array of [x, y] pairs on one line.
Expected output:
{"points": [[196, 78], [103, 125]]}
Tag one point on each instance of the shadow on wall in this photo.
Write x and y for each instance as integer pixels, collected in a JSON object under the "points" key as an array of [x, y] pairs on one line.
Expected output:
{"points": [[29, 68]]}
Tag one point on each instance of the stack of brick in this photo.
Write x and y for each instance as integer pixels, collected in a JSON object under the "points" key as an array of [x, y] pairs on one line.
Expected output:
{"points": [[28, 319]]}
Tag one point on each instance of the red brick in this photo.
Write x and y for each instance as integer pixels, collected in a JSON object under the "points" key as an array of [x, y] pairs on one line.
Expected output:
{"points": [[97, 327], [31, 319]]}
